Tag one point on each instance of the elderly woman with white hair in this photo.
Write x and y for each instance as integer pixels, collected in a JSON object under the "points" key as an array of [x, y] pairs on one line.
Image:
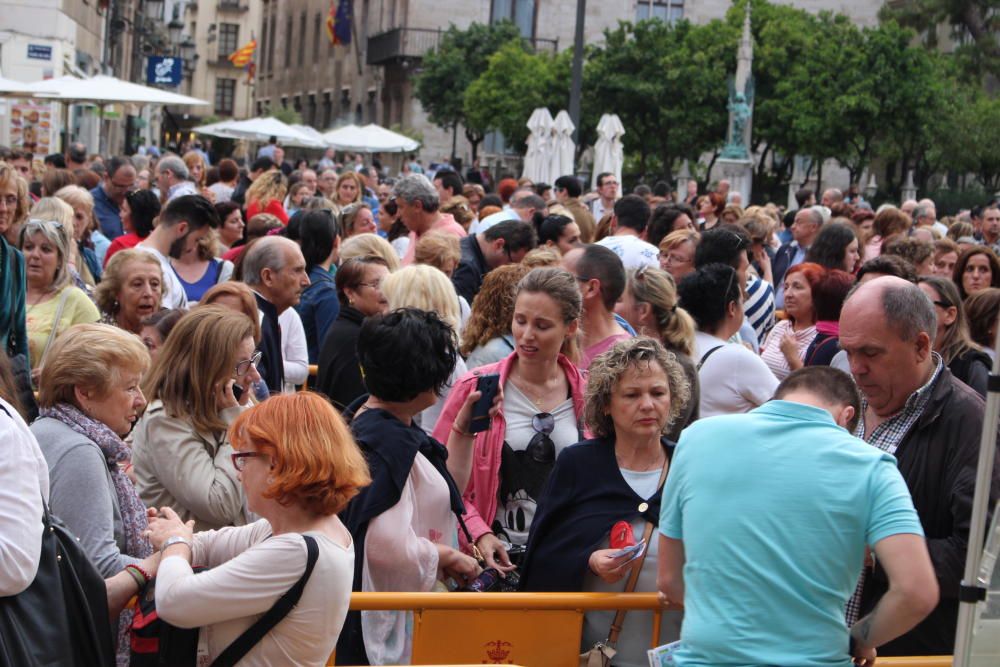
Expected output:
{"points": [[426, 288], [54, 303]]}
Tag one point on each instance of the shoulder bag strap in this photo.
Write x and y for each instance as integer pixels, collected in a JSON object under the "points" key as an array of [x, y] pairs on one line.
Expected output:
{"points": [[701, 362], [616, 625], [55, 324], [245, 642]]}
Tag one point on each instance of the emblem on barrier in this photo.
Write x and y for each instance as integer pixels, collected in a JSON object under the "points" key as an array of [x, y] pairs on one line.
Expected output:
{"points": [[497, 652]]}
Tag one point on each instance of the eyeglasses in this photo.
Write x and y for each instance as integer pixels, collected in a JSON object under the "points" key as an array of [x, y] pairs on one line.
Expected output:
{"points": [[240, 459], [374, 285], [672, 258], [541, 449], [942, 304], [46, 226], [243, 367], [9, 200]]}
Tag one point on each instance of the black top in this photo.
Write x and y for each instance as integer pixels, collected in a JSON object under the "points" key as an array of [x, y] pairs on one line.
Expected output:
{"points": [[390, 447], [585, 496], [937, 458], [973, 368], [339, 371], [821, 351], [272, 367], [468, 277]]}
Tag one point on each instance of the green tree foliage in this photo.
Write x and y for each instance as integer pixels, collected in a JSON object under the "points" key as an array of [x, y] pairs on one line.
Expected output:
{"points": [[287, 115], [667, 83], [514, 83], [447, 71]]}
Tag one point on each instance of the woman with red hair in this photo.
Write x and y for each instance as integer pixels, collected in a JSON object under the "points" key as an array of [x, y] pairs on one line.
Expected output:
{"points": [[299, 466], [786, 345]]}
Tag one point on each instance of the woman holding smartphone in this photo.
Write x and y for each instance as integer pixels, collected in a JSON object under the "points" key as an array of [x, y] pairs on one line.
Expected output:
{"points": [[542, 414]]}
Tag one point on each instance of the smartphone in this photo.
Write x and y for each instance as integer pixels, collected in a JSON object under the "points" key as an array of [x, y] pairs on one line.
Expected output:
{"points": [[488, 385], [237, 391]]}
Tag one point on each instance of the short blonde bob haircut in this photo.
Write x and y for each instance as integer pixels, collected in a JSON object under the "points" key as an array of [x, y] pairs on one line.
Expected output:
{"points": [[115, 276], [438, 250], [423, 287], [607, 369], [363, 245], [316, 464], [89, 356], [198, 355]]}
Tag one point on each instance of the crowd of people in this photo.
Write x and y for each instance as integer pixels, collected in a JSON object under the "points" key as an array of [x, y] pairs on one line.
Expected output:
{"points": [[769, 416]]}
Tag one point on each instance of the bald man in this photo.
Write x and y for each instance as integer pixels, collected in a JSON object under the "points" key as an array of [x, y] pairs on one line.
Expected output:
{"points": [[912, 407]]}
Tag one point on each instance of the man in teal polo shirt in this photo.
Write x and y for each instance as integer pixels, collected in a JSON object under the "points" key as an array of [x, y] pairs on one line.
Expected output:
{"points": [[765, 521]]}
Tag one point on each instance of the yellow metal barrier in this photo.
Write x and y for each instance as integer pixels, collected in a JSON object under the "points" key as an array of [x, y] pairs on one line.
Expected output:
{"points": [[313, 372], [529, 629]]}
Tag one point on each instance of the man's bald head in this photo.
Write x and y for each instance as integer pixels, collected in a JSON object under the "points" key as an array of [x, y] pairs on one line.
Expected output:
{"points": [[902, 304]]}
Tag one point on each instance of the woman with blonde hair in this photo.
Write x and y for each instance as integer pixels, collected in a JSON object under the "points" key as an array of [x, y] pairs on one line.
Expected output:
{"points": [[91, 244], [54, 303], [350, 189], [649, 304], [199, 271], [198, 386], [677, 253], [366, 245], [131, 290], [235, 296], [426, 288], [198, 171], [298, 467], [487, 337], [266, 194], [440, 250], [13, 332], [17, 202], [458, 207], [357, 219]]}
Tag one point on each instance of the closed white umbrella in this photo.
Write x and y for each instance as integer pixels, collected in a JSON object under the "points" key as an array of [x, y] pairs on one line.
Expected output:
{"points": [[609, 154], [539, 154], [370, 138], [563, 150]]}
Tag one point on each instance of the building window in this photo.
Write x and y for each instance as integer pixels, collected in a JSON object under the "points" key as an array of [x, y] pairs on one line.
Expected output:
{"points": [[317, 36], [327, 110], [229, 38], [665, 10], [302, 39], [521, 12], [288, 42], [225, 94], [270, 44]]}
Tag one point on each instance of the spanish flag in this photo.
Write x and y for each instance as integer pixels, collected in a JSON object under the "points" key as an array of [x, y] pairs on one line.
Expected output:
{"points": [[338, 23], [242, 56]]}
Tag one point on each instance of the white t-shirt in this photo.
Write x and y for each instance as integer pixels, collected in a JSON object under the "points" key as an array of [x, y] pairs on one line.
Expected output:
{"points": [[633, 251], [173, 291], [294, 351], [733, 379]]}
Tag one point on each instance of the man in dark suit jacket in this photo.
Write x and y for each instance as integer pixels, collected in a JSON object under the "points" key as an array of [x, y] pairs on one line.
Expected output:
{"points": [[804, 231]]}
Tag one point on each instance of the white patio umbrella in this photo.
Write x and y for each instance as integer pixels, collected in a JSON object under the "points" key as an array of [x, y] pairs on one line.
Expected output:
{"points": [[609, 155], [538, 158], [12, 88], [103, 89], [563, 148], [370, 138], [260, 129]]}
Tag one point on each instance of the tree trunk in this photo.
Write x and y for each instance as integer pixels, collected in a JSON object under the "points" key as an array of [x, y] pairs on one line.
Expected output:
{"points": [[454, 140], [819, 175]]}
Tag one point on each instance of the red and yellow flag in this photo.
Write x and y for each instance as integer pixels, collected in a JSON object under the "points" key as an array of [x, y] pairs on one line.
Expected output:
{"points": [[242, 56]]}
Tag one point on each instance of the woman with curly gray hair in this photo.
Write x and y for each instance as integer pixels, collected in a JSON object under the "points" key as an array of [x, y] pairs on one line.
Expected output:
{"points": [[605, 493]]}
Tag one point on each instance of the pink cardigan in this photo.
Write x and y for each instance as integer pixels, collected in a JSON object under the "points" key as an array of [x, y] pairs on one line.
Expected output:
{"points": [[480, 495]]}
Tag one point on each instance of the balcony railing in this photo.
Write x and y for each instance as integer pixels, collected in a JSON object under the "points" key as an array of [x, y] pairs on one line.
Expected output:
{"points": [[233, 5], [401, 44]]}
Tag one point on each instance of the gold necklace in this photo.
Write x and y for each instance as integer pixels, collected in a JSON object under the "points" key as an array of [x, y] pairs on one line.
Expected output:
{"points": [[524, 384]]}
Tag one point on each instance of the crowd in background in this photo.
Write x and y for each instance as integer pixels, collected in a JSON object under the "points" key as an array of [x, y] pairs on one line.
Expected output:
{"points": [[161, 313]]}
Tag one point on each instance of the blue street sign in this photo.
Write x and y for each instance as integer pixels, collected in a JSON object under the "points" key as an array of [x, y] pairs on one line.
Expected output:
{"points": [[39, 52], [164, 70]]}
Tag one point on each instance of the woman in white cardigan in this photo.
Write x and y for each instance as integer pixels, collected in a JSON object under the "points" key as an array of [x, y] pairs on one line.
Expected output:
{"points": [[298, 465]]}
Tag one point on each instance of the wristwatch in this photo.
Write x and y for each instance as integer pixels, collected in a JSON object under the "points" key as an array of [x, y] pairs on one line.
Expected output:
{"points": [[176, 539]]}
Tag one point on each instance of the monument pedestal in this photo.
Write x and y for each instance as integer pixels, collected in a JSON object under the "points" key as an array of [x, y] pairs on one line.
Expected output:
{"points": [[739, 173]]}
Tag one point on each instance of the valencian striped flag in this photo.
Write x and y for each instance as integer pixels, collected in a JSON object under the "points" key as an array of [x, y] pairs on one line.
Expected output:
{"points": [[242, 56], [338, 23]]}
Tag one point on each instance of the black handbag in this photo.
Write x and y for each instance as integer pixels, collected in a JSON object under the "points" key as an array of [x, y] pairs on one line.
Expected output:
{"points": [[62, 618], [156, 643]]}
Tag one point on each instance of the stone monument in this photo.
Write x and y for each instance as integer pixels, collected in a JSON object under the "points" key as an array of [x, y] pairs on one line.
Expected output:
{"points": [[735, 162]]}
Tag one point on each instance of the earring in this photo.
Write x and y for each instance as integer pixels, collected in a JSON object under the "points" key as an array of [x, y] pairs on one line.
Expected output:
{"points": [[350, 302]]}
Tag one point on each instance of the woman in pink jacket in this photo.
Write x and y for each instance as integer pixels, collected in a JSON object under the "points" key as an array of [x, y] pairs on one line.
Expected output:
{"points": [[541, 414]]}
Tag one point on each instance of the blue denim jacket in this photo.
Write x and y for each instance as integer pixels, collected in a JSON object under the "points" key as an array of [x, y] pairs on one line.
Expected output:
{"points": [[318, 308]]}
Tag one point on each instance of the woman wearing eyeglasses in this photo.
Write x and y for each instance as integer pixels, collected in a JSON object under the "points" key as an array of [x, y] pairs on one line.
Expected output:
{"points": [[542, 414], [54, 303], [357, 219], [201, 381], [635, 391], [359, 288]]}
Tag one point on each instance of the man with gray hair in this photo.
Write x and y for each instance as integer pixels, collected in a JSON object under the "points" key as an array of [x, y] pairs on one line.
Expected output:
{"points": [[915, 409], [925, 215], [832, 196], [275, 270], [173, 178], [804, 230], [523, 206], [418, 202]]}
